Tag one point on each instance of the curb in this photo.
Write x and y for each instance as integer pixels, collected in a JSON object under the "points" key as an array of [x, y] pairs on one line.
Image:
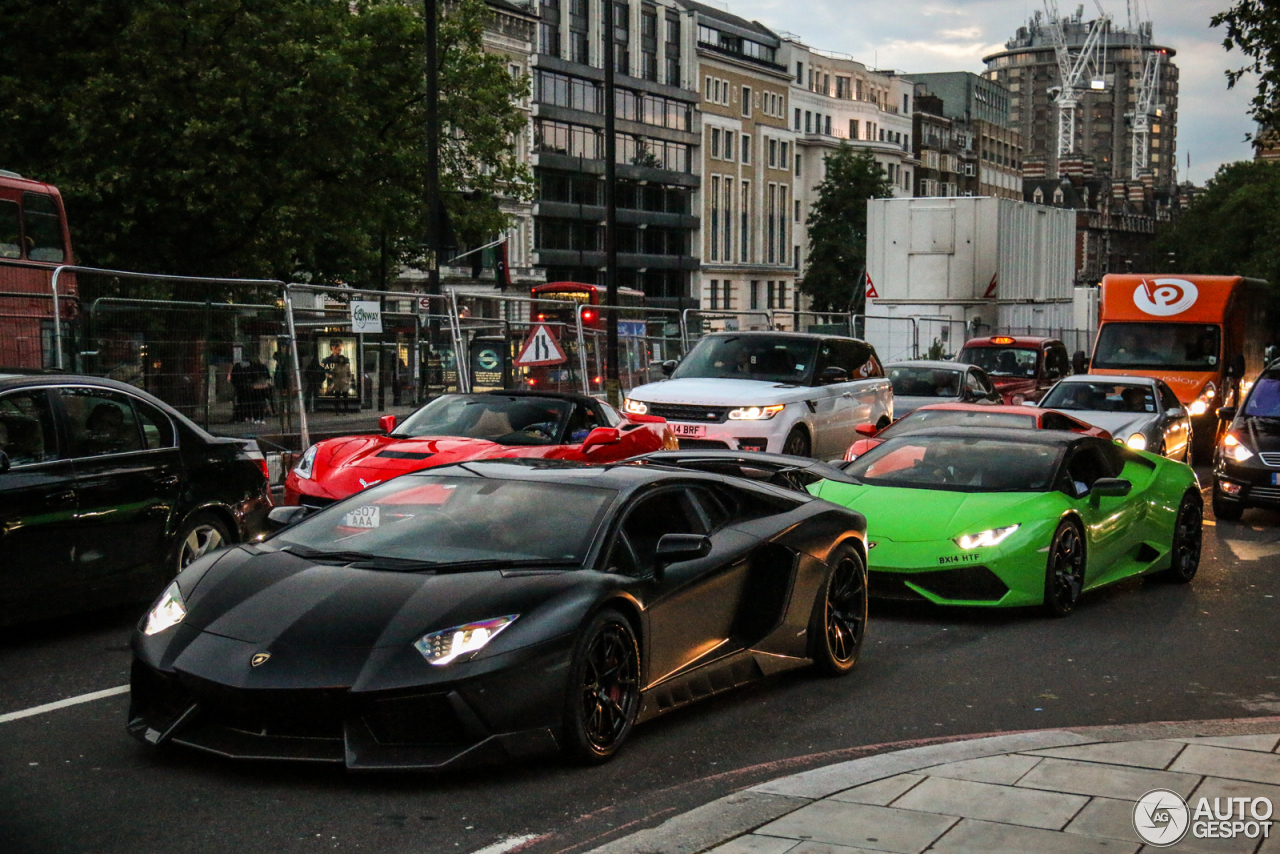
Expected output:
{"points": [[731, 816]]}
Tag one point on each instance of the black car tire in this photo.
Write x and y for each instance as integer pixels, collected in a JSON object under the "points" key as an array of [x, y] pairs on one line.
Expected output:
{"points": [[603, 697], [1227, 511], [1188, 531], [199, 535], [797, 443], [839, 620], [1064, 570]]}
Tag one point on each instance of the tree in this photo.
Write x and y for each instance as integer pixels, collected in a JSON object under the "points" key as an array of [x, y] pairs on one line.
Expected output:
{"points": [[838, 229], [1253, 26], [1233, 228], [275, 139]]}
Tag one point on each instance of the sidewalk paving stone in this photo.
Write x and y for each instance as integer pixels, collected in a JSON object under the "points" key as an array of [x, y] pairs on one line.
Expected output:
{"points": [[1105, 817], [880, 793], [1025, 807], [985, 837], [863, 825], [1230, 763], [1004, 770], [1141, 754], [1108, 781], [1263, 743]]}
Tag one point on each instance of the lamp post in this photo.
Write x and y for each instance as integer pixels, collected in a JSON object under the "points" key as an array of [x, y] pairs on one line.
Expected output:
{"points": [[433, 145], [612, 385]]}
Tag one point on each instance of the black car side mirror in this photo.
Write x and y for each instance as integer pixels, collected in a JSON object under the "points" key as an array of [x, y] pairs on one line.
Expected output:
{"points": [[5, 465], [283, 517], [1111, 487], [1226, 413], [669, 367], [674, 548], [1235, 368], [1079, 363]]}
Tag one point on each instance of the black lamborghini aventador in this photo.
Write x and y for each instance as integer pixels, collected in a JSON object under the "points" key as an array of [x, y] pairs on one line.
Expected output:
{"points": [[491, 610]]}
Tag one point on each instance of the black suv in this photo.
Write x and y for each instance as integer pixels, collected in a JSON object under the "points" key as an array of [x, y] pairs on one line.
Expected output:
{"points": [[1246, 463], [106, 492]]}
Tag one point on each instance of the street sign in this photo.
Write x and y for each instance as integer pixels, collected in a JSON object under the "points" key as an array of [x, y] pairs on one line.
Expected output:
{"points": [[424, 306], [366, 316], [540, 348]]}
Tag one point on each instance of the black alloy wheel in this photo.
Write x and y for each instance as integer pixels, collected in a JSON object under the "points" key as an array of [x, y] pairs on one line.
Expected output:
{"points": [[1064, 575], [604, 693], [202, 533], [1188, 534], [797, 444], [841, 620]]}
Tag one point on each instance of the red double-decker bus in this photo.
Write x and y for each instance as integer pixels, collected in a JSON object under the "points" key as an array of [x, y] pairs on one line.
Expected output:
{"points": [[34, 240], [575, 294], [563, 322]]}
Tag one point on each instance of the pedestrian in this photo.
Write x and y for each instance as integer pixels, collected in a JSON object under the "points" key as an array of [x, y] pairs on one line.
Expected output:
{"points": [[337, 368], [312, 383], [239, 378]]}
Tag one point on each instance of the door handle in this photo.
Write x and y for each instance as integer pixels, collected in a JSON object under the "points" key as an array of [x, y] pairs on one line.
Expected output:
{"points": [[167, 480], [61, 498]]}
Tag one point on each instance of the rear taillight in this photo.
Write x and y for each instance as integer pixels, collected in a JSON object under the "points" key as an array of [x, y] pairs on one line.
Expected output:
{"points": [[259, 458]]}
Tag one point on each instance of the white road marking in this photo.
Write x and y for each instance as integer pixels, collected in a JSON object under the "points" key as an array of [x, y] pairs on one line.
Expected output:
{"points": [[505, 845], [62, 704]]}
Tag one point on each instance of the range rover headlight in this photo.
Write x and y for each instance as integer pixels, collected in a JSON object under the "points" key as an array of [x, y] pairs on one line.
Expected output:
{"points": [[755, 413], [984, 539], [442, 647], [307, 464], [635, 407], [168, 611]]}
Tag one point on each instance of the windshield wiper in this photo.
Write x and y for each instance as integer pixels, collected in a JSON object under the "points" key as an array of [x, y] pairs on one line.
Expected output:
{"points": [[501, 563]]}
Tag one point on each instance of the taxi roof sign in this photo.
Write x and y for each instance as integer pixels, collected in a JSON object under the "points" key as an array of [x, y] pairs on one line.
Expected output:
{"points": [[1002, 339]]}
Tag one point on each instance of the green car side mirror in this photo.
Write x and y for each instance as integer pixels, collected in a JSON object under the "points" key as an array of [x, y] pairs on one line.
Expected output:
{"points": [[1111, 487]]}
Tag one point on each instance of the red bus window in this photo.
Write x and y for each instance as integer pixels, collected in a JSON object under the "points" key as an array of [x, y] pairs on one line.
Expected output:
{"points": [[43, 228], [10, 232]]}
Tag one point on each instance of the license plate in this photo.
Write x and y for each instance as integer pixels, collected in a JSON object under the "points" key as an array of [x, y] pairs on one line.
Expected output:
{"points": [[362, 517], [1275, 478], [689, 431]]}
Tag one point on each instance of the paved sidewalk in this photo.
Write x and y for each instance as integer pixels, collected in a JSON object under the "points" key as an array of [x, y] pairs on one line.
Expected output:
{"points": [[1046, 792]]}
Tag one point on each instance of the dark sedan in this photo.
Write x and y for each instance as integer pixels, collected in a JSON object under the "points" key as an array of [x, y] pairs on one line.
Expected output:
{"points": [[497, 609], [1246, 463], [106, 493]]}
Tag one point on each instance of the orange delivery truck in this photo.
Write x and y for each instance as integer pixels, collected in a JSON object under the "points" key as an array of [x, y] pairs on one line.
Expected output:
{"points": [[1203, 335]]}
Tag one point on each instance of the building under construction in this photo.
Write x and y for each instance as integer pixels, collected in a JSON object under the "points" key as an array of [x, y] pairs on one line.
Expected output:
{"points": [[1118, 110]]}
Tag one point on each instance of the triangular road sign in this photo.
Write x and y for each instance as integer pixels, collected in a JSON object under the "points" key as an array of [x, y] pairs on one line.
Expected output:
{"points": [[871, 288], [540, 348]]}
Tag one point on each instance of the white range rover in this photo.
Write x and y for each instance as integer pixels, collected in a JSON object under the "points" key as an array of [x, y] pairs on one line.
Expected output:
{"points": [[786, 392]]}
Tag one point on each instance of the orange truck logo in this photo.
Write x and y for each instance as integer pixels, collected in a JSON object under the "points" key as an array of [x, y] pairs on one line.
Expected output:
{"points": [[1165, 297]]}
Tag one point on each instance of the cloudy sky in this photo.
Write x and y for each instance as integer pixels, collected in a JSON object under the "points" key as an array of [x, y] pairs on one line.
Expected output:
{"points": [[954, 35]]}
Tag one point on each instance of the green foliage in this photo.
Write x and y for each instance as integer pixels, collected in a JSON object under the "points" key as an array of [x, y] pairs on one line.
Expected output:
{"points": [[276, 139], [937, 350], [838, 229], [1233, 228], [1253, 26]]}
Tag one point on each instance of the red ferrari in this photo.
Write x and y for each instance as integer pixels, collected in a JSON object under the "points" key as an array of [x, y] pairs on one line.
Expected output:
{"points": [[456, 428], [973, 415]]}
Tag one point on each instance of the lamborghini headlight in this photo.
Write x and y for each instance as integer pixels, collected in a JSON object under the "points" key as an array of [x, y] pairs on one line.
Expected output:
{"points": [[1137, 441], [994, 537], [755, 413], [635, 407], [167, 612], [444, 646], [1235, 449], [307, 464]]}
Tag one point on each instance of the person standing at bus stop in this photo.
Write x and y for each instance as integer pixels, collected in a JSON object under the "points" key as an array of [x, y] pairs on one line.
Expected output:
{"points": [[337, 368]]}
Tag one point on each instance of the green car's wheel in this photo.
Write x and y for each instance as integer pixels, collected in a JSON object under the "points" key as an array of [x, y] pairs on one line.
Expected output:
{"points": [[1064, 575], [797, 443], [840, 618], [1187, 536], [604, 691]]}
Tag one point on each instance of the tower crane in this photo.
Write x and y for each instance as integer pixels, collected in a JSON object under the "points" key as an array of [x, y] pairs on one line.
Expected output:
{"points": [[1090, 61], [1142, 114]]}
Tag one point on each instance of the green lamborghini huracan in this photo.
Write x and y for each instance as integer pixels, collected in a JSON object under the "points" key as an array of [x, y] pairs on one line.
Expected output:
{"points": [[1003, 517]]}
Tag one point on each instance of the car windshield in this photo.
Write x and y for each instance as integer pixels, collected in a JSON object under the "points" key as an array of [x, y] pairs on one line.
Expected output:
{"points": [[1264, 402], [909, 381], [440, 519], [1171, 346], [507, 420], [923, 418], [958, 464], [1100, 397], [1002, 361], [771, 358]]}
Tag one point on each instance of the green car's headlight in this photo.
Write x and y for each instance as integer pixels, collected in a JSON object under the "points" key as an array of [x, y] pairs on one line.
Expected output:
{"points": [[167, 612], [444, 646], [994, 537]]}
